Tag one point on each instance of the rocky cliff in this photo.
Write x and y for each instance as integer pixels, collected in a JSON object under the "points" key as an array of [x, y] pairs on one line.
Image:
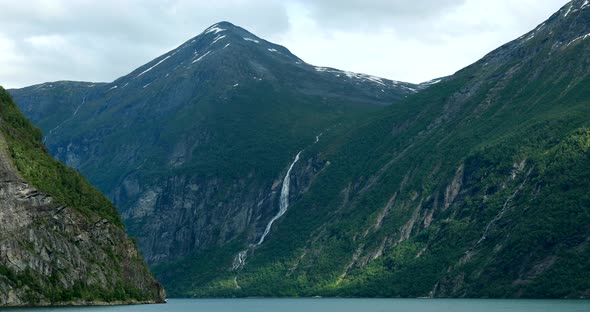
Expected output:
{"points": [[61, 242]]}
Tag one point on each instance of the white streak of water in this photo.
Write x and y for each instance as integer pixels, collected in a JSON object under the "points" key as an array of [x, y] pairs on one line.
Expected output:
{"points": [[63, 122], [284, 200], [240, 260]]}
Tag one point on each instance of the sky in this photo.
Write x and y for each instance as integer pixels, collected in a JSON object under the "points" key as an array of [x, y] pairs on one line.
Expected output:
{"points": [[406, 40]]}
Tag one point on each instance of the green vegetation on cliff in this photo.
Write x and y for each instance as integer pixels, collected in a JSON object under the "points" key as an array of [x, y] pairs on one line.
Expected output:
{"points": [[44, 172], [63, 240], [476, 187]]}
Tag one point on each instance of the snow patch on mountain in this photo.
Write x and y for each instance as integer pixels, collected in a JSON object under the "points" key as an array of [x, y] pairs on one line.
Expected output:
{"points": [[431, 82], [160, 62], [568, 10], [352, 75], [214, 29], [580, 38], [219, 37], [250, 39], [410, 89], [201, 57]]}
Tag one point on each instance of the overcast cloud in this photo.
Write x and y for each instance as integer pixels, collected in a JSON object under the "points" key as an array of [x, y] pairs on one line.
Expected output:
{"points": [[100, 40]]}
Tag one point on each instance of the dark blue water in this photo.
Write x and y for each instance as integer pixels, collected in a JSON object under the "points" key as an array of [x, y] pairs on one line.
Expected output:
{"points": [[340, 305]]}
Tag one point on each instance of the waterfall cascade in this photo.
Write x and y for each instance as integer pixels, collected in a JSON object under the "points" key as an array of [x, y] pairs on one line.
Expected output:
{"points": [[284, 200], [65, 121], [240, 258]]}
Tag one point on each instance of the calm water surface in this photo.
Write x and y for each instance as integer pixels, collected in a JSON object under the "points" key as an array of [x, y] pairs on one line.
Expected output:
{"points": [[339, 305]]}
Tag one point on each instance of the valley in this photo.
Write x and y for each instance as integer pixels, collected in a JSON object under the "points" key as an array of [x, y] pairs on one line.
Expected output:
{"points": [[243, 171]]}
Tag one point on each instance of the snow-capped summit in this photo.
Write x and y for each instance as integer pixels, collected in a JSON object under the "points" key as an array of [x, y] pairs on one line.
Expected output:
{"points": [[225, 55]]}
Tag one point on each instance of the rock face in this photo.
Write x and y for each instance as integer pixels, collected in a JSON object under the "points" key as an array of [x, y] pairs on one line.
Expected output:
{"points": [[51, 253]]}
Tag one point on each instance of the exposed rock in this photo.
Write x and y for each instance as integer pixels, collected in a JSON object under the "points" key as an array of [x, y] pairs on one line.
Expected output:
{"points": [[53, 254], [453, 189]]}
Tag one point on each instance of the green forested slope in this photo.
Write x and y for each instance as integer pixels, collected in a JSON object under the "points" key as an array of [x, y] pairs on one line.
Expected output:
{"points": [[44, 172], [476, 187]]}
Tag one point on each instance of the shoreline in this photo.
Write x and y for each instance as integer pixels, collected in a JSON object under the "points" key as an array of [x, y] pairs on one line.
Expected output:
{"points": [[83, 304]]}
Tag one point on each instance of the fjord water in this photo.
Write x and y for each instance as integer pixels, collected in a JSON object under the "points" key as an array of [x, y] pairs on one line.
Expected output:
{"points": [[340, 305]]}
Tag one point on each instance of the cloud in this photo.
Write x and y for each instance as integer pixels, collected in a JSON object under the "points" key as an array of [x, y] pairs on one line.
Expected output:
{"points": [[408, 40], [100, 40], [369, 15]]}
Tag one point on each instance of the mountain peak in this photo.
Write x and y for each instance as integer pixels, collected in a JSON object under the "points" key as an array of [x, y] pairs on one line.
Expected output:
{"points": [[228, 32], [222, 26], [218, 44], [224, 52], [225, 28]]}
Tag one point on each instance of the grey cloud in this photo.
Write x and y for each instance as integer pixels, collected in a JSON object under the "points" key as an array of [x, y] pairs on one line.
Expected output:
{"points": [[137, 20], [367, 15]]}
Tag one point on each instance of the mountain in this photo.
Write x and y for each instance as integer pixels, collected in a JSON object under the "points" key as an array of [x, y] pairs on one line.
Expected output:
{"points": [[475, 187], [62, 241], [193, 146]]}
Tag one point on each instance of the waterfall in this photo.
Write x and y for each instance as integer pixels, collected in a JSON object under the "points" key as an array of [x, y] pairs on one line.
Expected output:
{"points": [[65, 121], [284, 200], [240, 258], [317, 138]]}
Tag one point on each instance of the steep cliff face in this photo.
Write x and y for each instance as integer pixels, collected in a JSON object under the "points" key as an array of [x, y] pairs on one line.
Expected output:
{"points": [[178, 216], [69, 249]]}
